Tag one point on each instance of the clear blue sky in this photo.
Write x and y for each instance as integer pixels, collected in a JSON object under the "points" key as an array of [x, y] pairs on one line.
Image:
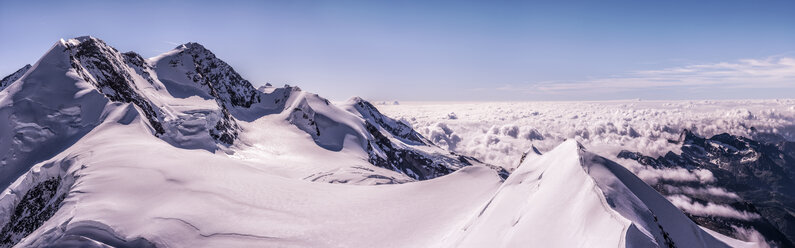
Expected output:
{"points": [[448, 50]]}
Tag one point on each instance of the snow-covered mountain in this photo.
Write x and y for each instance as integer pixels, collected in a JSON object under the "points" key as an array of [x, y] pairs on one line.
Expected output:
{"points": [[103, 148], [595, 203]]}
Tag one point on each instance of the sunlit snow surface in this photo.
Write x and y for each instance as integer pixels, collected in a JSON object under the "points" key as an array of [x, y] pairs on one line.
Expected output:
{"points": [[499, 132]]}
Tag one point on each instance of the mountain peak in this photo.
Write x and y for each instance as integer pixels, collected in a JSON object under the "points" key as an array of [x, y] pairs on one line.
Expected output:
{"points": [[199, 65], [84, 38], [80, 40], [356, 100], [194, 47], [687, 136]]}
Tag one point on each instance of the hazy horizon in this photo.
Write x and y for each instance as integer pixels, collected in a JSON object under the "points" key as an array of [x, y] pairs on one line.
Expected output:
{"points": [[448, 51]]}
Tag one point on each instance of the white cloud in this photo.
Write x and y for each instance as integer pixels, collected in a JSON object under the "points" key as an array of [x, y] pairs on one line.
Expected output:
{"points": [[498, 133], [703, 192], [751, 235], [710, 209], [772, 72], [652, 175]]}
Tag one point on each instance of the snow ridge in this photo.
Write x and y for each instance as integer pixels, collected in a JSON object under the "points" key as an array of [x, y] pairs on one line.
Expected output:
{"points": [[596, 203]]}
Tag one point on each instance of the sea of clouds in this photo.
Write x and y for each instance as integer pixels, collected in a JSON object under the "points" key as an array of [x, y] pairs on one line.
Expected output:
{"points": [[498, 133]]}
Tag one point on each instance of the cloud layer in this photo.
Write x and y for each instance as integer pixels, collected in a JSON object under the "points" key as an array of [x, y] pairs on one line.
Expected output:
{"points": [[709, 209], [731, 78], [498, 133]]}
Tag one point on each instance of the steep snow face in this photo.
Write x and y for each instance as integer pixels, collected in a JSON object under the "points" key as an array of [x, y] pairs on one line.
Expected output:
{"points": [[13, 77], [572, 198], [46, 111]]}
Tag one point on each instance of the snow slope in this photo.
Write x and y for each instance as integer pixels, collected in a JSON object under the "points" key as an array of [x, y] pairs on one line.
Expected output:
{"points": [[572, 198], [186, 198]]}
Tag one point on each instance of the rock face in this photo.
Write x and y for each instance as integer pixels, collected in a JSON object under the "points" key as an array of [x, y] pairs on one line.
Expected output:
{"points": [[389, 153], [389, 143], [193, 66], [759, 178], [216, 76], [36, 207], [396, 128], [114, 74], [106, 68], [13, 77]]}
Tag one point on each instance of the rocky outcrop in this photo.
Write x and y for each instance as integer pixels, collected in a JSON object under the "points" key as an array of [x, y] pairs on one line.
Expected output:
{"points": [[106, 69], [416, 163], [13, 77], [220, 79], [396, 128], [36, 206]]}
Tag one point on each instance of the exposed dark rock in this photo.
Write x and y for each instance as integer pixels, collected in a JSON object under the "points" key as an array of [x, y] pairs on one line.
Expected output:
{"points": [[413, 163], [396, 128], [221, 82], [406, 161], [13, 77], [140, 66], [36, 206], [102, 66], [221, 79]]}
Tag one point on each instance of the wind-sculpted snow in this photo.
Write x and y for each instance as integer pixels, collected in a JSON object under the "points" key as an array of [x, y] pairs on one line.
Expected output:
{"points": [[46, 112]]}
